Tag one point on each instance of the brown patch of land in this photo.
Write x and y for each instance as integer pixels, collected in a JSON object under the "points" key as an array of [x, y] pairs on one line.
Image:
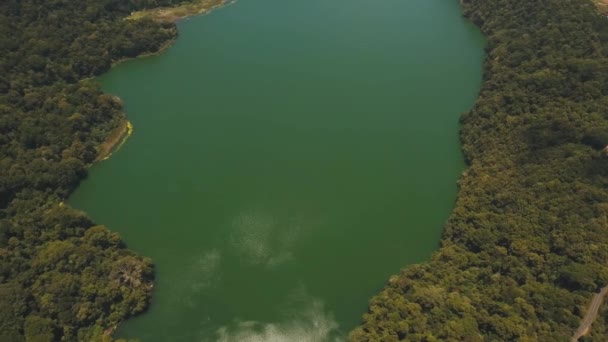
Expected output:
{"points": [[171, 14], [602, 6], [115, 139]]}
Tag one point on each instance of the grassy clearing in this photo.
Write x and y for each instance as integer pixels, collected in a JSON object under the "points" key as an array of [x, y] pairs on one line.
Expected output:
{"points": [[171, 14], [602, 6]]}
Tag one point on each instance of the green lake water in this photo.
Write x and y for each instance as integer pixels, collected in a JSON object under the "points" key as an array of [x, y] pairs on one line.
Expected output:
{"points": [[288, 158]]}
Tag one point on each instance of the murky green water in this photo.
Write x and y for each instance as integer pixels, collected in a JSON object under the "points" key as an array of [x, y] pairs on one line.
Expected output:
{"points": [[288, 157]]}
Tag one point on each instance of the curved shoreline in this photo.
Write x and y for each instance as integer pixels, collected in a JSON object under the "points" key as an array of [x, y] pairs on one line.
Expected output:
{"points": [[516, 274], [119, 136], [115, 140]]}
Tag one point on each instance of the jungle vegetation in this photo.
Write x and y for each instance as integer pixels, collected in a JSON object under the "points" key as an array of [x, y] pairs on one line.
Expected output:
{"points": [[521, 255], [526, 245], [61, 276]]}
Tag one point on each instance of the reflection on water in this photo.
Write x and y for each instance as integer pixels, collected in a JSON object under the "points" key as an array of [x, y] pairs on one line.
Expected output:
{"points": [[263, 240], [288, 157], [312, 323]]}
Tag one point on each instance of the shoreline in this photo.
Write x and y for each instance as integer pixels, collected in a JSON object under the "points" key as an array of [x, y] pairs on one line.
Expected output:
{"points": [[115, 140], [119, 136], [165, 46]]}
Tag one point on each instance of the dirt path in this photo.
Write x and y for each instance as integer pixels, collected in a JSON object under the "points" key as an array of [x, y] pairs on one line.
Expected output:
{"points": [[591, 314]]}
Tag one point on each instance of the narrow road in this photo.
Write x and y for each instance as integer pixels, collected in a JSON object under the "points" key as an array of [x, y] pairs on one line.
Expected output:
{"points": [[591, 314]]}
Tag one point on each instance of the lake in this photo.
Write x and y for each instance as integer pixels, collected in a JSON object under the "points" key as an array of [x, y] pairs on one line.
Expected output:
{"points": [[288, 157]]}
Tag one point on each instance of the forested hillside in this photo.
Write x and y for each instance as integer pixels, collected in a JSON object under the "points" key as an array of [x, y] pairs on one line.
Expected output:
{"points": [[61, 277], [527, 243]]}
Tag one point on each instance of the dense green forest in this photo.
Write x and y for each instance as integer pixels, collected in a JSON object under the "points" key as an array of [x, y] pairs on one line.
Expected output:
{"points": [[527, 243], [523, 251], [61, 276]]}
